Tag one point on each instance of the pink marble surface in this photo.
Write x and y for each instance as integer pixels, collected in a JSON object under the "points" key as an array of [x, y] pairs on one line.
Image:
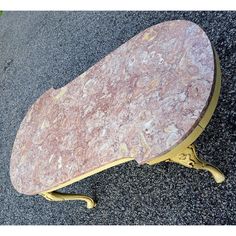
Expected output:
{"points": [[139, 101]]}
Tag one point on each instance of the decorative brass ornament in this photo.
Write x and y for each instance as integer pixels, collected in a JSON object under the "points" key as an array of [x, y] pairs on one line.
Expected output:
{"points": [[189, 158]]}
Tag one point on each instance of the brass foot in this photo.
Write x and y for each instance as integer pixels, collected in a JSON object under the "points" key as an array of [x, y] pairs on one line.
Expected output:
{"points": [[54, 196], [189, 158]]}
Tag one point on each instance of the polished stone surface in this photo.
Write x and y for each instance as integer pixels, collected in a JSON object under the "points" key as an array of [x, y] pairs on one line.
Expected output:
{"points": [[40, 50], [139, 101]]}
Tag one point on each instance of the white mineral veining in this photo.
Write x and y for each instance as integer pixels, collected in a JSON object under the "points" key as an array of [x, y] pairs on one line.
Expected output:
{"points": [[182, 96], [45, 124], [143, 81], [195, 114], [88, 107], [61, 93], [124, 150], [59, 162], [104, 146], [149, 127], [90, 87], [159, 58], [171, 139], [103, 132], [51, 158], [69, 141], [171, 129]]}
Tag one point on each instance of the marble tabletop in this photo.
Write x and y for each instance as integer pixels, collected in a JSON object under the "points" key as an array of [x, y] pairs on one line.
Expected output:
{"points": [[139, 101]]}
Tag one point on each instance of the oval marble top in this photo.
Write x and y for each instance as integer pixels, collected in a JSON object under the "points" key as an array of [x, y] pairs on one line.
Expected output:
{"points": [[139, 101]]}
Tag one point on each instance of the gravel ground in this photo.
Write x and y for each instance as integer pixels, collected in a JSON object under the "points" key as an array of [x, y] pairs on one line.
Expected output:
{"points": [[39, 50]]}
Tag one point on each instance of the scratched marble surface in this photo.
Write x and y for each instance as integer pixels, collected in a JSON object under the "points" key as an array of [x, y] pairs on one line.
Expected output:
{"points": [[139, 101]]}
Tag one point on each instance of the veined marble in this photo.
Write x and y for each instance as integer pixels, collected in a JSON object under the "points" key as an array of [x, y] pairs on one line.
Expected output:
{"points": [[139, 101]]}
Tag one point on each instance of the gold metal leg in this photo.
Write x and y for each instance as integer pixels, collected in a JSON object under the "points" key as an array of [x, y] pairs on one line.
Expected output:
{"points": [[189, 158], [54, 196]]}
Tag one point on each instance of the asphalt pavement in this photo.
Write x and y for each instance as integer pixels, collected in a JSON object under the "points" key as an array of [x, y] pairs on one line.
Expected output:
{"points": [[40, 50]]}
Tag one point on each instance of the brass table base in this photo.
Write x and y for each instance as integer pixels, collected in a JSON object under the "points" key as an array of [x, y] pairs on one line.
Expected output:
{"points": [[187, 158]]}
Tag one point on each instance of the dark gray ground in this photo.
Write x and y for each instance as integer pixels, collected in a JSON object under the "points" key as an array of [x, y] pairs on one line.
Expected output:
{"points": [[39, 50]]}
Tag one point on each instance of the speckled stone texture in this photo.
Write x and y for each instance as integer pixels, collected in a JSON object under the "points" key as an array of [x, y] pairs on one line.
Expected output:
{"points": [[139, 101], [40, 50]]}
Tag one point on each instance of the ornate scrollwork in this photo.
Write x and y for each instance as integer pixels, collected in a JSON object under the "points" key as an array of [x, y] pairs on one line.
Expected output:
{"points": [[189, 158]]}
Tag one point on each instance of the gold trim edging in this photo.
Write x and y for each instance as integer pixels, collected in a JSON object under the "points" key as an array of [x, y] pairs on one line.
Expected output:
{"points": [[172, 156]]}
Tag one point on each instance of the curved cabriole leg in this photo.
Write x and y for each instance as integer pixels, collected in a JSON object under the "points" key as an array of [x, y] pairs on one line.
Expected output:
{"points": [[54, 196], [189, 158]]}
